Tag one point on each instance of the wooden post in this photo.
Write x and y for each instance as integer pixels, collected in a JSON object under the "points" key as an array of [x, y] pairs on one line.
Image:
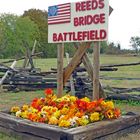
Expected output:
{"points": [[32, 53], [96, 69], [89, 67], [60, 56], [71, 78], [75, 61], [7, 72]]}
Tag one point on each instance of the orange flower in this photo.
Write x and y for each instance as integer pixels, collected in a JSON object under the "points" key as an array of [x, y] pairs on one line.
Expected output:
{"points": [[99, 101], [79, 114], [109, 114], [98, 109], [64, 123], [42, 120], [48, 91], [82, 105], [91, 106], [33, 117], [37, 103], [117, 113], [53, 121], [67, 111]]}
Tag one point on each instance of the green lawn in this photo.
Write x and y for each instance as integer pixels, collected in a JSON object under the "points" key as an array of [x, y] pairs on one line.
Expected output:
{"points": [[9, 99]]}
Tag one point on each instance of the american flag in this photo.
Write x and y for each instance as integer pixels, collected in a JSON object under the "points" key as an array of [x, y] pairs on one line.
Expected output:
{"points": [[59, 14]]}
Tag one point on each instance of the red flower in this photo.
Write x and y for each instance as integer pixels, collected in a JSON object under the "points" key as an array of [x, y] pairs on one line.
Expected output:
{"points": [[61, 104], [99, 101], [117, 113], [82, 105], [91, 106], [51, 103], [48, 91], [35, 103]]}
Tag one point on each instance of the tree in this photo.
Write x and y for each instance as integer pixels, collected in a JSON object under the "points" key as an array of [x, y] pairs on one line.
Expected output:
{"points": [[119, 46], [26, 31], [135, 42], [16, 30], [104, 47], [7, 22], [41, 19], [3, 41], [113, 48]]}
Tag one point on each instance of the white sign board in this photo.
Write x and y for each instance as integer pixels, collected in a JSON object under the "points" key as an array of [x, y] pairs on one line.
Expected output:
{"points": [[78, 22]]}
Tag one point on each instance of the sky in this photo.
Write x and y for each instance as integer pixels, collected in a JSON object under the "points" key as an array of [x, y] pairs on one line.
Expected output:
{"points": [[124, 22]]}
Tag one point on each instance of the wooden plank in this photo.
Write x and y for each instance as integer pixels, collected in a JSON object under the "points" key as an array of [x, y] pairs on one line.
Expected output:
{"points": [[86, 62], [96, 69], [9, 61], [98, 130], [60, 49], [75, 61], [120, 65], [7, 72], [33, 51], [28, 56], [31, 128], [89, 67], [71, 78]]}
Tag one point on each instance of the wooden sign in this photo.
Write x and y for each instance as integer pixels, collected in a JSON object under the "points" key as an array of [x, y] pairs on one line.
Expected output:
{"points": [[78, 22]]}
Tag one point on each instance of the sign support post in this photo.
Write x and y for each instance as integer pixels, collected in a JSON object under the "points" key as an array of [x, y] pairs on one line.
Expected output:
{"points": [[60, 56], [96, 69], [84, 21]]}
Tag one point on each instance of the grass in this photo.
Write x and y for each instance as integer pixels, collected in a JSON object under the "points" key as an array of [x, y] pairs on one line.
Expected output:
{"points": [[126, 72], [6, 137], [10, 99]]}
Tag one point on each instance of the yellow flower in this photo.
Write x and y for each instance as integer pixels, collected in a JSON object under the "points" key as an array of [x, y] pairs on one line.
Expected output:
{"points": [[24, 114], [25, 107], [33, 110], [53, 121], [49, 109], [66, 98], [94, 117], [82, 121], [73, 98], [64, 111], [110, 105], [14, 109], [57, 114], [86, 99], [64, 123], [109, 114], [45, 108], [18, 113], [54, 97], [58, 100], [103, 103]]}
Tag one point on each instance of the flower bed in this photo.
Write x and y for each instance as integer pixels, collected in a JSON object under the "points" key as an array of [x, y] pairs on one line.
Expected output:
{"points": [[67, 111]]}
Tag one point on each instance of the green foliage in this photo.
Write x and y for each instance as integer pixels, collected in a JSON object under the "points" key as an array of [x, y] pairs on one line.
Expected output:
{"points": [[41, 19], [104, 47], [26, 30], [113, 48], [17, 30], [7, 22], [135, 42], [127, 102]]}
